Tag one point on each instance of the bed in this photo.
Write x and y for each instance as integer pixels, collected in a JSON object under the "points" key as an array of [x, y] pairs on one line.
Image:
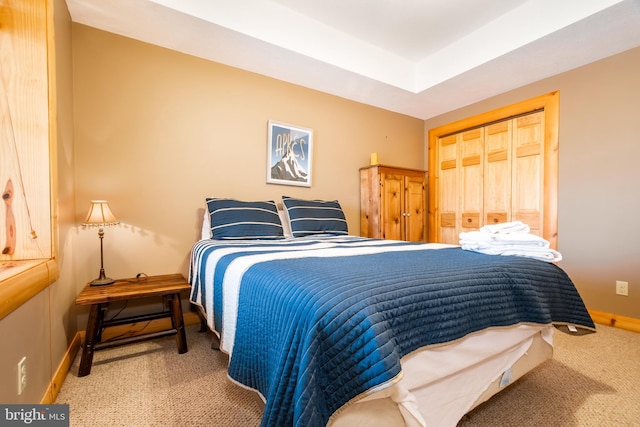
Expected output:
{"points": [[336, 329]]}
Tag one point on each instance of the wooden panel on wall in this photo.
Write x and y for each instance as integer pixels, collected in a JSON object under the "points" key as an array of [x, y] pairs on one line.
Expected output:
{"points": [[25, 212], [27, 152]]}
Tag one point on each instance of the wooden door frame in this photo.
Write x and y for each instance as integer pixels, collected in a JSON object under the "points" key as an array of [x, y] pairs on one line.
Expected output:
{"points": [[550, 104]]}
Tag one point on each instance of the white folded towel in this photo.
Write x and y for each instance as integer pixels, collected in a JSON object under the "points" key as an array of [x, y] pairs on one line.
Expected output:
{"points": [[474, 236], [542, 254], [509, 238], [506, 227], [521, 239]]}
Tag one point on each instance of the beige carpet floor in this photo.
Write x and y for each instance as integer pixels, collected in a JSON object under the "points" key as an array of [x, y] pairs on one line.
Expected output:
{"points": [[593, 380]]}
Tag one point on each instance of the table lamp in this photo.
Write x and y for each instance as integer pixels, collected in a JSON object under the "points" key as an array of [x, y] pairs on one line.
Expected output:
{"points": [[100, 216]]}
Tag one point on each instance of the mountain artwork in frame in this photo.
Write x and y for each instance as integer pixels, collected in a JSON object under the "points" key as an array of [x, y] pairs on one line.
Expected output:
{"points": [[289, 154]]}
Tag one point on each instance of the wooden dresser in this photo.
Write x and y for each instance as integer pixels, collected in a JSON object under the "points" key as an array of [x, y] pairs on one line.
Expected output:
{"points": [[393, 203]]}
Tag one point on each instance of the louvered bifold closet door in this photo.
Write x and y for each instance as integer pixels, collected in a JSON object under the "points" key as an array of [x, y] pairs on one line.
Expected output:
{"points": [[448, 190], [497, 172], [496, 167], [471, 172], [527, 173], [492, 174]]}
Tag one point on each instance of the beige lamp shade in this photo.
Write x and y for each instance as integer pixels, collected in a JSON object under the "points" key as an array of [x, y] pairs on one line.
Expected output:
{"points": [[100, 215]]}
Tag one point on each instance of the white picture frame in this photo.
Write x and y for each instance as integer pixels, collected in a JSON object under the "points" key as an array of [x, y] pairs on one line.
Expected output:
{"points": [[289, 154]]}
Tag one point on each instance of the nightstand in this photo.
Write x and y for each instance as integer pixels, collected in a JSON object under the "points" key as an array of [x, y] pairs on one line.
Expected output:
{"points": [[99, 297]]}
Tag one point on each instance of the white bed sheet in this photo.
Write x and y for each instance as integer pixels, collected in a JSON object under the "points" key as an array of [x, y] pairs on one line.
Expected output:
{"points": [[441, 384]]}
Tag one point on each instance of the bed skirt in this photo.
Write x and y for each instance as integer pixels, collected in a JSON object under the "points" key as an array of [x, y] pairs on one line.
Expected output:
{"points": [[440, 385]]}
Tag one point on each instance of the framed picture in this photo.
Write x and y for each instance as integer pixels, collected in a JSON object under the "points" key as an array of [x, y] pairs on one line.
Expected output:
{"points": [[289, 154]]}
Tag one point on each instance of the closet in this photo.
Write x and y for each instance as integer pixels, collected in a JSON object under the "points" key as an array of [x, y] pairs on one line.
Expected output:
{"points": [[497, 167], [393, 203]]}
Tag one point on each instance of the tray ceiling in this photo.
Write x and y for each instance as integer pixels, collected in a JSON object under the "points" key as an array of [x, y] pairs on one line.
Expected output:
{"points": [[421, 58]]}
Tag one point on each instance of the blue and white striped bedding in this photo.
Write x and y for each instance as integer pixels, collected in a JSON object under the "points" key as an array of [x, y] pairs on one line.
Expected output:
{"points": [[311, 323]]}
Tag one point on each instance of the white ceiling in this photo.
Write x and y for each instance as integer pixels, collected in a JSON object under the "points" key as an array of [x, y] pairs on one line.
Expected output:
{"points": [[417, 57]]}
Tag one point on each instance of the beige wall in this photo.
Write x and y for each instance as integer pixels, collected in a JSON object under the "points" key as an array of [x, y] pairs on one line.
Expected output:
{"points": [[599, 177], [25, 332], [157, 131]]}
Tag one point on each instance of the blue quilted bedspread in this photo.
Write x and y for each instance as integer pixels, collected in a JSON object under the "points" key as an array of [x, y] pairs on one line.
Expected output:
{"points": [[312, 333]]}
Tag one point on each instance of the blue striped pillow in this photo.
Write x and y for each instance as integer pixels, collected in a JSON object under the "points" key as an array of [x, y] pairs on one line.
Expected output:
{"points": [[235, 219], [315, 217]]}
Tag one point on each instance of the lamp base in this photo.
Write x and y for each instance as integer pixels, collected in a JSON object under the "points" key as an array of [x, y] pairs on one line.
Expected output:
{"points": [[101, 281], [102, 278]]}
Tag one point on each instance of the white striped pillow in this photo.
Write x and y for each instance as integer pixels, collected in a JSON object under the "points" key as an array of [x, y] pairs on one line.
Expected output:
{"points": [[315, 217], [239, 220]]}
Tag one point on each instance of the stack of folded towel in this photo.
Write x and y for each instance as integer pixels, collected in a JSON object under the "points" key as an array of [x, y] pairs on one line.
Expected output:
{"points": [[509, 238]]}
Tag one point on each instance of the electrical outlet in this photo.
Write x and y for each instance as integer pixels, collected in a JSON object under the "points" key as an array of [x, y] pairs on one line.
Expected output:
{"points": [[622, 288], [22, 374]]}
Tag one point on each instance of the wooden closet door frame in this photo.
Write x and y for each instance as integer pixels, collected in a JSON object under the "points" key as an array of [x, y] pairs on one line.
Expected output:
{"points": [[550, 104]]}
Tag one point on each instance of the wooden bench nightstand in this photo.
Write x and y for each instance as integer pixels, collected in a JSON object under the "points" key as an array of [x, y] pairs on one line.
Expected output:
{"points": [[99, 297]]}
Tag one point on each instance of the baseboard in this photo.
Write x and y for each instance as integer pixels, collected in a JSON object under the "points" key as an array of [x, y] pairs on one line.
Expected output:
{"points": [[190, 318], [615, 320], [61, 373]]}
